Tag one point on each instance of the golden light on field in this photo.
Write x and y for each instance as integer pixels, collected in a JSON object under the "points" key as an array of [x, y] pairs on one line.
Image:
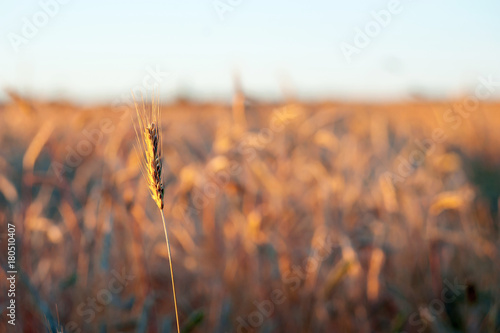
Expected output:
{"points": [[324, 217]]}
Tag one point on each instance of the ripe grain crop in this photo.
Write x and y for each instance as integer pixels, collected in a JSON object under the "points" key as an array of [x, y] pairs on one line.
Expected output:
{"points": [[148, 134], [351, 213]]}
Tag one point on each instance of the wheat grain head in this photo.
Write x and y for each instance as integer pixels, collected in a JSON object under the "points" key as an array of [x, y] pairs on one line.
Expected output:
{"points": [[148, 133]]}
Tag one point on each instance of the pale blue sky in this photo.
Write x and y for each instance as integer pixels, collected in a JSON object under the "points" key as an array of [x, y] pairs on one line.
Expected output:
{"points": [[96, 50]]}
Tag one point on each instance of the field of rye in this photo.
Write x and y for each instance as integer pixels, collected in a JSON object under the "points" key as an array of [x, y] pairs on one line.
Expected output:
{"points": [[297, 217]]}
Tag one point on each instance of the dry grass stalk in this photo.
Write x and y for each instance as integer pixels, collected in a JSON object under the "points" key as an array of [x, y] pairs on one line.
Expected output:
{"points": [[148, 133]]}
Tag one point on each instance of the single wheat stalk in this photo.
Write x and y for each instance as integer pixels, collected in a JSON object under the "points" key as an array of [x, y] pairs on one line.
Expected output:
{"points": [[148, 133]]}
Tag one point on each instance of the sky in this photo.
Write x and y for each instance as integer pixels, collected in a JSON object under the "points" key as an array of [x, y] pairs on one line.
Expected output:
{"points": [[94, 51]]}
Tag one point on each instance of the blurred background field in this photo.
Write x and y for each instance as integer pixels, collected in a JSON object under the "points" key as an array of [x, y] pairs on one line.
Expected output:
{"points": [[290, 217]]}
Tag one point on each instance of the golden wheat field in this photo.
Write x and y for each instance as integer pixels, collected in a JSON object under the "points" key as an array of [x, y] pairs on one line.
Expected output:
{"points": [[290, 217]]}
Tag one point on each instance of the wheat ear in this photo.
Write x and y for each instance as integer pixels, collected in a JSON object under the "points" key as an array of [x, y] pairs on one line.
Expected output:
{"points": [[148, 133]]}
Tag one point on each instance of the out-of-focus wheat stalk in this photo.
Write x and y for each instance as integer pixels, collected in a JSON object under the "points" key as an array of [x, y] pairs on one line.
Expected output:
{"points": [[148, 133]]}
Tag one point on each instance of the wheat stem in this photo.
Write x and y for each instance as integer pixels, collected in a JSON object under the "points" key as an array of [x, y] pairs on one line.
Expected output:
{"points": [[171, 270]]}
